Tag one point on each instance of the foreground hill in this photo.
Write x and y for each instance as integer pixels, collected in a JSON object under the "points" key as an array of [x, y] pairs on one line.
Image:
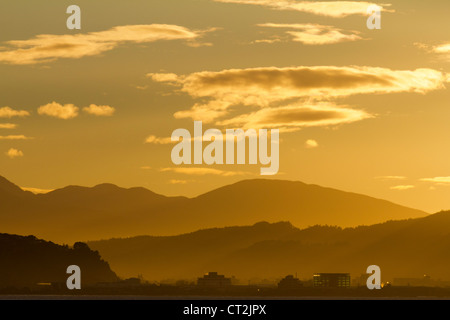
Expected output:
{"points": [[106, 211], [408, 248], [26, 261]]}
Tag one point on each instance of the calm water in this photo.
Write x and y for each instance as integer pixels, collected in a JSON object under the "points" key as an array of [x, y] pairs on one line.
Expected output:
{"points": [[120, 297]]}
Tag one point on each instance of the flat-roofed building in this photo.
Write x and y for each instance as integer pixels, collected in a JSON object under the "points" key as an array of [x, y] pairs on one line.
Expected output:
{"points": [[290, 282], [212, 279], [331, 280]]}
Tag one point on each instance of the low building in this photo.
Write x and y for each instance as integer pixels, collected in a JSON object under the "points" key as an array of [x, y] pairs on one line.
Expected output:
{"points": [[290, 282], [361, 281], [331, 280], [212, 279]]}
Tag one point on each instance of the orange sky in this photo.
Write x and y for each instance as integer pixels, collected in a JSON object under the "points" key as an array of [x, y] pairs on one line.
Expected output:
{"points": [[359, 110]]}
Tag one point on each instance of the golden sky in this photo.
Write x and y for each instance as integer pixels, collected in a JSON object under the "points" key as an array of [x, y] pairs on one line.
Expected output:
{"points": [[359, 110]]}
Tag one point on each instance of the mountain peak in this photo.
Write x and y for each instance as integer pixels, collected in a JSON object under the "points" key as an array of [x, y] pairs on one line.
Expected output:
{"points": [[7, 187], [107, 187]]}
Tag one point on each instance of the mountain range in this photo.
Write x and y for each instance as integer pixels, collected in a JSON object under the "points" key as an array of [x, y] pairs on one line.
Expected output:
{"points": [[106, 211]]}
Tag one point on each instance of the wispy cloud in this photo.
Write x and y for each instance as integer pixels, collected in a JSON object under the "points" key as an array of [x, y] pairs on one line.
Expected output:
{"points": [[305, 81], [15, 137], [270, 87], [388, 178], [7, 112], [442, 48], [48, 47], [298, 117], [8, 125], [437, 180], [316, 34], [163, 77], [57, 110], [176, 181], [311, 144], [14, 153], [204, 171], [96, 110], [152, 139], [335, 9], [269, 41], [156, 140], [403, 187], [70, 111]]}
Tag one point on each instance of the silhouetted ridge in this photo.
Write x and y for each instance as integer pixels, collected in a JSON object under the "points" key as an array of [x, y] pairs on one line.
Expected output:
{"points": [[8, 188], [26, 261], [403, 249]]}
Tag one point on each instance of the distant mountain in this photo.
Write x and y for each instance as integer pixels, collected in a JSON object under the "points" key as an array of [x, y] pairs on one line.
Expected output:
{"points": [[26, 261], [106, 211], [250, 201], [8, 189], [408, 248]]}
